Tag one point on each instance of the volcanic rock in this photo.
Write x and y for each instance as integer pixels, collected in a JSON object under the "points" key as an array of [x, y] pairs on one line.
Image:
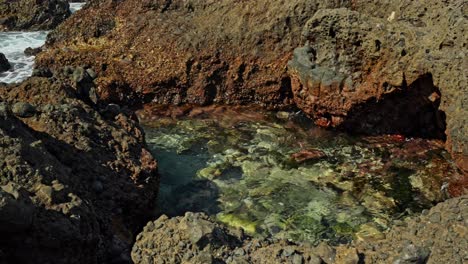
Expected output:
{"points": [[32, 51], [4, 64], [32, 15], [362, 71], [176, 52], [73, 184], [195, 236]]}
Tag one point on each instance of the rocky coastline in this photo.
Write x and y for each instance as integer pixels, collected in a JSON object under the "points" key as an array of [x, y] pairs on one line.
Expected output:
{"points": [[78, 183]]}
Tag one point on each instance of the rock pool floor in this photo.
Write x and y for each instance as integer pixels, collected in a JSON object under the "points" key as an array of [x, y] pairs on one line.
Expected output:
{"points": [[274, 176]]}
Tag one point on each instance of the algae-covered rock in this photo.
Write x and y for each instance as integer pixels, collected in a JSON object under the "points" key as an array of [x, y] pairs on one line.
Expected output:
{"points": [[237, 221]]}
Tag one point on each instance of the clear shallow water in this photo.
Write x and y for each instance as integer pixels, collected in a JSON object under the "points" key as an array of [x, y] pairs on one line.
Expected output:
{"points": [[13, 44], [242, 170]]}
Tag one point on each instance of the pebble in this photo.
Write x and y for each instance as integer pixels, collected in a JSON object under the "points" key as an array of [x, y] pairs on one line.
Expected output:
{"points": [[435, 217], [22, 109], [297, 259], [4, 109], [91, 73], [239, 252], [288, 251]]}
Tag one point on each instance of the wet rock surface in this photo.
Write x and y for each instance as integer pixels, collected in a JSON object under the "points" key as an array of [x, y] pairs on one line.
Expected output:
{"points": [[74, 185], [4, 64], [416, 240], [32, 15]]}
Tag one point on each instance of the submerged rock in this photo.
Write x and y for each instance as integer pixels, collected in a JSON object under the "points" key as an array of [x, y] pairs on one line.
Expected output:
{"points": [[193, 237], [307, 155], [271, 178]]}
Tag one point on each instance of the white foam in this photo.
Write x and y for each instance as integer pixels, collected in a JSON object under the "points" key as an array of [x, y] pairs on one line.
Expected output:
{"points": [[76, 6], [13, 44]]}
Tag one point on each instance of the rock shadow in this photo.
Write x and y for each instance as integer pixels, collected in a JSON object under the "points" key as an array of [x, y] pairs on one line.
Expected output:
{"points": [[411, 111]]}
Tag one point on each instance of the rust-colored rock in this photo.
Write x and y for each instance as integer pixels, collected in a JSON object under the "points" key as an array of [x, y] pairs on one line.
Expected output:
{"points": [[307, 155], [174, 52], [393, 70]]}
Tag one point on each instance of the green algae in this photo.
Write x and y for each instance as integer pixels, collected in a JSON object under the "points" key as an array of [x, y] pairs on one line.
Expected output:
{"points": [[238, 221], [355, 191]]}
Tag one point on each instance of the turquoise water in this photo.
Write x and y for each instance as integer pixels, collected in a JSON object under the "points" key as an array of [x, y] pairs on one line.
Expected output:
{"points": [[246, 172]]}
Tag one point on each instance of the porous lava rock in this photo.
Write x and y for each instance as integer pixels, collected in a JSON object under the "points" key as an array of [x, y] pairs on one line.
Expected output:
{"points": [[398, 69], [438, 235], [74, 185], [196, 51], [32, 14]]}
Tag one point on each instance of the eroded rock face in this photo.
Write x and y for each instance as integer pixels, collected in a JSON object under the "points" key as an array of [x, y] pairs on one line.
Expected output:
{"points": [[174, 52], [32, 15], [74, 184], [398, 72]]}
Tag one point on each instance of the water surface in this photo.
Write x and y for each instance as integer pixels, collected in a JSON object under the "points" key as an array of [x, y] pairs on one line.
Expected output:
{"points": [[249, 172], [13, 44]]}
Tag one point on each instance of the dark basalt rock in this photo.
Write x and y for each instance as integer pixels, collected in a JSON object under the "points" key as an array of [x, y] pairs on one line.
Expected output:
{"points": [[74, 185], [32, 51], [32, 15], [4, 64]]}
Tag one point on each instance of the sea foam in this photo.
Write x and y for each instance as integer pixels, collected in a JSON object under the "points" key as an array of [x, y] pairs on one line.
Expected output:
{"points": [[13, 44]]}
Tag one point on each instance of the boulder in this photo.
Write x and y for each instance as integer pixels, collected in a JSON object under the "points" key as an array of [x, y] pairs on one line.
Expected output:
{"points": [[4, 64], [71, 181]]}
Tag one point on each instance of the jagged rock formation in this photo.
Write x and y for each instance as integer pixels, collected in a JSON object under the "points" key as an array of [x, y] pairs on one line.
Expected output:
{"points": [[395, 71], [434, 237], [75, 182], [174, 52], [32, 15]]}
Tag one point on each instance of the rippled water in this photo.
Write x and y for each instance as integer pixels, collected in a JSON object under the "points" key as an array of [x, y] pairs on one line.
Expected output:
{"points": [[13, 44], [76, 6], [253, 172]]}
